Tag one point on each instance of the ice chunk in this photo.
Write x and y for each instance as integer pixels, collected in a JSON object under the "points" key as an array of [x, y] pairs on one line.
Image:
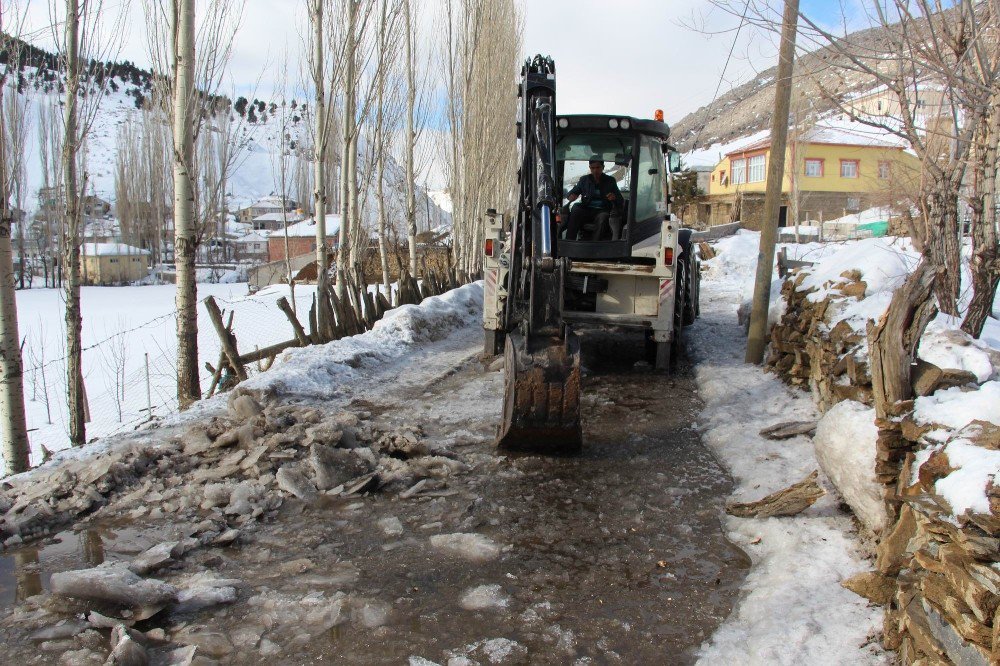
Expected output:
{"points": [[468, 545]]}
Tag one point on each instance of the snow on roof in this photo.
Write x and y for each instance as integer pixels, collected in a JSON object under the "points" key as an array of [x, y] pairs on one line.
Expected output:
{"points": [[832, 129], [307, 228], [111, 249], [279, 216], [252, 237]]}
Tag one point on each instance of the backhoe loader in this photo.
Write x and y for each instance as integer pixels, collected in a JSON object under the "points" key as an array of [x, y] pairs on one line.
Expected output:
{"points": [[635, 268]]}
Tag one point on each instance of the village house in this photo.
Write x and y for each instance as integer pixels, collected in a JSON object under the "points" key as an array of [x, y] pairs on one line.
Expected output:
{"points": [[264, 206], [113, 263], [829, 172], [302, 238], [275, 221], [253, 247]]}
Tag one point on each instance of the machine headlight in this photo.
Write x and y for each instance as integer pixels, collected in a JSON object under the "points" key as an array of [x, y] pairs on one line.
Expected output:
{"points": [[613, 123], [563, 123], [625, 124]]}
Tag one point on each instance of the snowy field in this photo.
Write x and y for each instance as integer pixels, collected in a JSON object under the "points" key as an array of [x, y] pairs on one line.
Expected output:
{"points": [[122, 326]]}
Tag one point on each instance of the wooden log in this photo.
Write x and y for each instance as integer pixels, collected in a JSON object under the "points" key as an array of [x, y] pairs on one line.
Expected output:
{"points": [[300, 333], [313, 333], [269, 351], [787, 502], [216, 373], [227, 339]]}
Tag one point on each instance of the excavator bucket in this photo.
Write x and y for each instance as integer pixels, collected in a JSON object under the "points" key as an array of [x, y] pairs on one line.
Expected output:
{"points": [[541, 410]]}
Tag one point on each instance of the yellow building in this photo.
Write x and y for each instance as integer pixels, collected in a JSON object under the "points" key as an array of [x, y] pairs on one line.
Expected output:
{"points": [[829, 173], [113, 263]]}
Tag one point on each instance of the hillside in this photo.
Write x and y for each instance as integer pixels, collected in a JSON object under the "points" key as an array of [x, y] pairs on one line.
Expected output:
{"points": [[126, 90], [747, 109]]}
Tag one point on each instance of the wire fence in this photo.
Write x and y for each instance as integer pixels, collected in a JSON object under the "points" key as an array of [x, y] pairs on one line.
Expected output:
{"points": [[130, 368]]}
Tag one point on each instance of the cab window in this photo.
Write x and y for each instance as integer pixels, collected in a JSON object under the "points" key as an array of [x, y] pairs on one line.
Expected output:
{"points": [[650, 181], [575, 151]]}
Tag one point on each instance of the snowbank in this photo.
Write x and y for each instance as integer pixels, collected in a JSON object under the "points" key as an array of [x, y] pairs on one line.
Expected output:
{"points": [[320, 371], [792, 608], [845, 447]]}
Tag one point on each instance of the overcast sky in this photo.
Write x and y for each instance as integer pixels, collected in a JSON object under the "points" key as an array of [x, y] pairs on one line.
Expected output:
{"points": [[612, 56]]}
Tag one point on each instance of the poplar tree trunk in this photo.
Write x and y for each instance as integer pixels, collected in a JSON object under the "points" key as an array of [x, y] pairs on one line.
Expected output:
{"points": [[347, 164], [411, 100], [71, 260], [319, 166], [12, 420], [185, 231]]}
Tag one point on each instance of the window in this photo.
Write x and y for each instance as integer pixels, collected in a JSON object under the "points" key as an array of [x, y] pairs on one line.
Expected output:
{"points": [[650, 181], [722, 177], [883, 170], [739, 168], [849, 168], [814, 168], [853, 203], [113, 260], [755, 169]]}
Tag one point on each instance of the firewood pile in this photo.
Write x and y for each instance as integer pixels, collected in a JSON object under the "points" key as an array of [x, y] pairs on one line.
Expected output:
{"points": [[807, 351], [937, 570], [946, 578]]}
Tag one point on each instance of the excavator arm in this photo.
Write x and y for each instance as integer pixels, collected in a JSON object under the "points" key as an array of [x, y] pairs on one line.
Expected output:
{"points": [[541, 410]]}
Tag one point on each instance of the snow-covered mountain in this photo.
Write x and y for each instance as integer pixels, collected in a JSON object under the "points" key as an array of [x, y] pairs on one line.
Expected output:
{"points": [[124, 90]]}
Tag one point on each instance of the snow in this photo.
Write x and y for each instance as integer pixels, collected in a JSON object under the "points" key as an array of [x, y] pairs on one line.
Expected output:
{"points": [[946, 346], [792, 608], [975, 467], [307, 228], [845, 447], [884, 264], [319, 371], [122, 325], [958, 407], [110, 250]]}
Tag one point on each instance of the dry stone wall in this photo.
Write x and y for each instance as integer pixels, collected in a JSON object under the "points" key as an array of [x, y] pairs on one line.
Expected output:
{"points": [[937, 570]]}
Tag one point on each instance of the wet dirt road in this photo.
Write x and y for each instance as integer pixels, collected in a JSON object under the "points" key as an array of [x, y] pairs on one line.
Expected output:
{"points": [[616, 555], [613, 556]]}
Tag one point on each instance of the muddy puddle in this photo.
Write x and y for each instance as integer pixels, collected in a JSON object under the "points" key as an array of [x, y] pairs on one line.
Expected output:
{"points": [[25, 572]]}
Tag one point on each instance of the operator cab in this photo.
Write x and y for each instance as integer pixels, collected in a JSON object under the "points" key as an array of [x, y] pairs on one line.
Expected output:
{"points": [[633, 152]]}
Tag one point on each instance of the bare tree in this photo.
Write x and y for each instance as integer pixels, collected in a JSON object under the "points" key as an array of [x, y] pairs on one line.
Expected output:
{"points": [[318, 66], [16, 453], [192, 88], [481, 54]]}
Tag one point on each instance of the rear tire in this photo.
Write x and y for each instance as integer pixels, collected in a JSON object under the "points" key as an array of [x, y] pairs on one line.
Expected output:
{"points": [[680, 303]]}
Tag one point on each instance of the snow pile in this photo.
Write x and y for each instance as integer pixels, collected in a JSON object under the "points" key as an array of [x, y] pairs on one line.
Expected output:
{"points": [[792, 608], [975, 468], [946, 346], [958, 407], [883, 263], [845, 447], [321, 371]]}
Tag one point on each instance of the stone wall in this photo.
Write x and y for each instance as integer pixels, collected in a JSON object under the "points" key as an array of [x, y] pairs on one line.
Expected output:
{"points": [[937, 570]]}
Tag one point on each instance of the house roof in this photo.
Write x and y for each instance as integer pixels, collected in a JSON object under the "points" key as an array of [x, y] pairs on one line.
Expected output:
{"points": [[253, 237], [833, 133], [111, 250], [307, 228], [278, 217]]}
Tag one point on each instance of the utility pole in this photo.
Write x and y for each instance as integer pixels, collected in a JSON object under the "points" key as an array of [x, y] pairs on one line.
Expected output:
{"points": [[757, 337]]}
